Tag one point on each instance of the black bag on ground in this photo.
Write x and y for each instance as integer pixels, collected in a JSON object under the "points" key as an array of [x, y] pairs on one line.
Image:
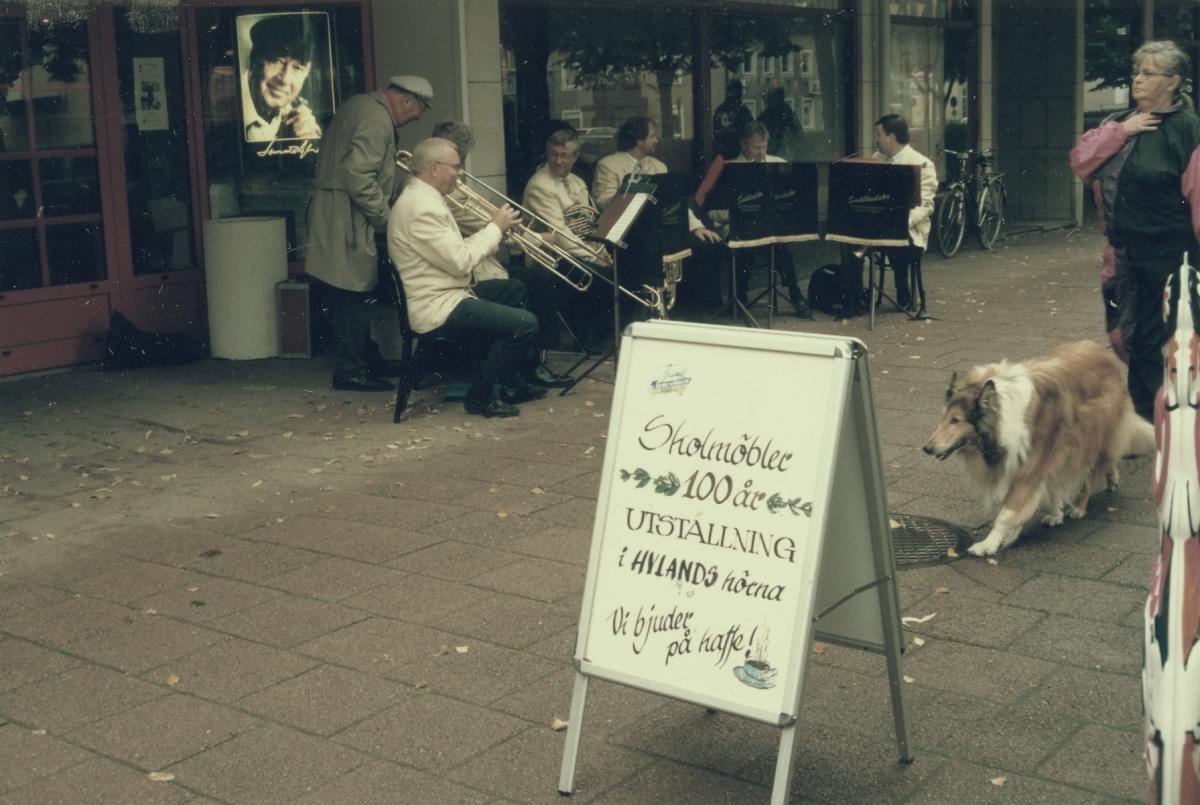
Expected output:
{"points": [[836, 289], [127, 347]]}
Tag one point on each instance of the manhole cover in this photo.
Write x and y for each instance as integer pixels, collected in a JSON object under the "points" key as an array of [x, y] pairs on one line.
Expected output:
{"points": [[926, 541]]}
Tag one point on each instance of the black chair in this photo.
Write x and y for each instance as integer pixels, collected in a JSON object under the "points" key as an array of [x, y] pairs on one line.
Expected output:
{"points": [[413, 366]]}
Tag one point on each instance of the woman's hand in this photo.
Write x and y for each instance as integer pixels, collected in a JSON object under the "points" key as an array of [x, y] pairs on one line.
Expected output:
{"points": [[1139, 122]]}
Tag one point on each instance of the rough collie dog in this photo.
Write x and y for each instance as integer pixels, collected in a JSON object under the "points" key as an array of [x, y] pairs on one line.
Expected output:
{"points": [[1040, 434]]}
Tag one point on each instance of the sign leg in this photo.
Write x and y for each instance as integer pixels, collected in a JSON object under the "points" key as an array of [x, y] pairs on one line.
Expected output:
{"points": [[566, 776], [781, 789]]}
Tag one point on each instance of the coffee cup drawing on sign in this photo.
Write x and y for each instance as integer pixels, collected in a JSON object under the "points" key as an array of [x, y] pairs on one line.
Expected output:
{"points": [[756, 674]]}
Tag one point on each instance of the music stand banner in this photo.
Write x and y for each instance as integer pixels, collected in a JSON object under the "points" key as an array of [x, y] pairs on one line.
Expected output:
{"points": [[869, 202]]}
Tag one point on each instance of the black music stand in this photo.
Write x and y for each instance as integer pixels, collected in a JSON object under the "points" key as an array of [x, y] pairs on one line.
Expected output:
{"points": [[868, 207], [614, 226], [770, 204]]}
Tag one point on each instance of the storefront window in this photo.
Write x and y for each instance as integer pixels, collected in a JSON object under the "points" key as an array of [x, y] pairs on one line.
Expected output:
{"points": [[595, 69], [271, 82], [936, 9], [157, 180], [50, 218], [930, 73], [790, 74]]}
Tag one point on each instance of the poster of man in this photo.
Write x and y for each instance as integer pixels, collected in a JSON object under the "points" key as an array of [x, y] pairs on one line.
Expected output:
{"points": [[286, 70]]}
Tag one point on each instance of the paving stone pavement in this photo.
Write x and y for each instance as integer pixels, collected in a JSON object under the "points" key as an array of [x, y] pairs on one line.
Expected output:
{"points": [[230, 574]]}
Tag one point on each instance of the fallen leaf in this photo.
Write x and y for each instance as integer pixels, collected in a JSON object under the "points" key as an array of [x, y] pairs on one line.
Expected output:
{"points": [[588, 404], [442, 649], [256, 484], [923, 619], [23, 477], [172, 680], [315, 471], [893, 523], [39, 732], [420, 685], [502, 515], [149, 611], [999, 780], [819, 648], [168, 478], [193, 588], [942, 590], [953, 554], [537, 490], [558, 725], [161, 776], [462, 649], [212, 515], [908, 679], [589, 451], [918, 641], [992, 561]]}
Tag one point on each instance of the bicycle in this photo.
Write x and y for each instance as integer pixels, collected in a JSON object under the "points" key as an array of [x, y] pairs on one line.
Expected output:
{"points": [[974, 189]]}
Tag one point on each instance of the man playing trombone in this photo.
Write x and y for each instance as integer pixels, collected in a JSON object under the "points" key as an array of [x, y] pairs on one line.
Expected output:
{"points": [[439, 267]]}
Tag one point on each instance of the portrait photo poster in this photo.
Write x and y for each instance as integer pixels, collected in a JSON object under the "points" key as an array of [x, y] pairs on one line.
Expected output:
{"points": [[285, 105]]}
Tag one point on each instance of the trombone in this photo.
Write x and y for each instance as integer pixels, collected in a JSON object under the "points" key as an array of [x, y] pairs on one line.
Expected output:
{"points": [[547, 254], [550, 256]]}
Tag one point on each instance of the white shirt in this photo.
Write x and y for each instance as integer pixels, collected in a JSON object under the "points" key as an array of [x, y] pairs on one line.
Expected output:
{"points": [[920, 218]]}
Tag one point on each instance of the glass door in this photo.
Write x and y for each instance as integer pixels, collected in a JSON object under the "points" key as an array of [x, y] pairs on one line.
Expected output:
{"points": [[53, 276]]}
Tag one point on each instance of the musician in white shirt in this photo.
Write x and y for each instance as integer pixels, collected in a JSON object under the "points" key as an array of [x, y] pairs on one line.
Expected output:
{"points": [[891, 140], [637, 140]]}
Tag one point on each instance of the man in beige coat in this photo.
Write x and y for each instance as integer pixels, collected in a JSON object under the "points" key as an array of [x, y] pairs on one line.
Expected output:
{"points": [[440, 270], [354, 187]]}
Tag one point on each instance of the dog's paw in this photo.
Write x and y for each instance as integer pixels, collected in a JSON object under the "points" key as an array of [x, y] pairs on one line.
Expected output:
{"points": [[1076, 512], [1053, 519], [984, 548], [1113, 478]]}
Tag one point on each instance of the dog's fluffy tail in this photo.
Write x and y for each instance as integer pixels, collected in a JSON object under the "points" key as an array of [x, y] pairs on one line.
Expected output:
{"points": [[1136, 436]]}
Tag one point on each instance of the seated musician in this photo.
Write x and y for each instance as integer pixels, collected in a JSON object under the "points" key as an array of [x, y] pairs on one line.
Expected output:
{"points": [[561, 199], [753, 142], [439, 267], [542, 296], [891, 138], [637, 140]]}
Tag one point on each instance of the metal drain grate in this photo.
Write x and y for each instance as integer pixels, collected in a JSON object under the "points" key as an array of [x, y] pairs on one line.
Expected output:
{"points": [[926, 541]]}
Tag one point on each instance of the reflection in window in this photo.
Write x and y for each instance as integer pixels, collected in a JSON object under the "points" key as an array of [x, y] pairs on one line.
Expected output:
{"points": [[16, 190], [930, 73], [246, 178], [20, 267], [796, 92], [70, 186], [61, 85], [75, 253], [14, 131]]}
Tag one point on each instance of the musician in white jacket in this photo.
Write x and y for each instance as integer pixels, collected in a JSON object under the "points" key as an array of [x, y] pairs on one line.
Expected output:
{"points": [[891, 140], [438, 268]]}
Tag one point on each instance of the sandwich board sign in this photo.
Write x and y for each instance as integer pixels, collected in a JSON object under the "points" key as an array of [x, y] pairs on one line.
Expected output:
{"points": [[741, 515]]}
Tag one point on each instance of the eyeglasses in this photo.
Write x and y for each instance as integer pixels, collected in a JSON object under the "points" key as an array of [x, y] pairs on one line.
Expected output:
{"points": [[1145, 74], [454, 166]]}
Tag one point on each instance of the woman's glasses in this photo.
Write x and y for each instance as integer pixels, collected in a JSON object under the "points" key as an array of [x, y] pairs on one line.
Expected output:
{"points": [[1144, 74]]}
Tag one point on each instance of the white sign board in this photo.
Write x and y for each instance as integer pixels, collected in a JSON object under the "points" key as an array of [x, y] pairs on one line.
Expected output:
{"points": [[707, 538], [708, 570]]}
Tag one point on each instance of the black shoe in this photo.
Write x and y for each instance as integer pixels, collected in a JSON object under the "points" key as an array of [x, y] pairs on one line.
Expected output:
{"points": [[384, 369], [361, 384], [543, 375], [489, 408], [522, 392]]}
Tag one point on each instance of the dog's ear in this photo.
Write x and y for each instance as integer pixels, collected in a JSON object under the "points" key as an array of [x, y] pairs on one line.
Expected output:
{"points": [[989, 398], [950, 386]]}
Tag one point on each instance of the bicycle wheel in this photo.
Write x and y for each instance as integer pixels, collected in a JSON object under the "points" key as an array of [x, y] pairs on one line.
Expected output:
{"points": [[991, 213], [951, 221]]}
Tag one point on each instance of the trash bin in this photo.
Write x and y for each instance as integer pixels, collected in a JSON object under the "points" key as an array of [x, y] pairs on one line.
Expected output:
{"points": [[243, 260]]}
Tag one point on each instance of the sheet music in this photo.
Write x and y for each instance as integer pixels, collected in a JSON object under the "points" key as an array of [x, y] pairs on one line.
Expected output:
{"points": [[619, 215]]}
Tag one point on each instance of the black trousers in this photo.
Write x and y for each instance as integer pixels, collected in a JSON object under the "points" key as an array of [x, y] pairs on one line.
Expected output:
{"points": [[543, 299], [351, 313], [1142, 274], [497, 319], [905, 262]]}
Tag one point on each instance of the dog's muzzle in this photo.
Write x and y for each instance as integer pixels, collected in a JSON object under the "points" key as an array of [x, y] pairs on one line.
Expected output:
{"points": [[941, 455]]}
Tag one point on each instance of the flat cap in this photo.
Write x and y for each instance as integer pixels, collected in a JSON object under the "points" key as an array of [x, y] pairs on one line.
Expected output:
{"points": [[415, 85]]}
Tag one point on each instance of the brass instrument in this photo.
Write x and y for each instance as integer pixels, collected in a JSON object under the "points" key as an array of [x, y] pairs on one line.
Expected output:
{"points": [[555, 259], [548, 254]]}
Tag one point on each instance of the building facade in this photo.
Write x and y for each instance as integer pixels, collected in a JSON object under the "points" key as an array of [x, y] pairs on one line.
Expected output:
{"points": [[127, 125]]}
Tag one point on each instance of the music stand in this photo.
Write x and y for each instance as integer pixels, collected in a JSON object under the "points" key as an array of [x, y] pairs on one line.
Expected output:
{"points": [[613, 227], [868, 207], [770, 204]]}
